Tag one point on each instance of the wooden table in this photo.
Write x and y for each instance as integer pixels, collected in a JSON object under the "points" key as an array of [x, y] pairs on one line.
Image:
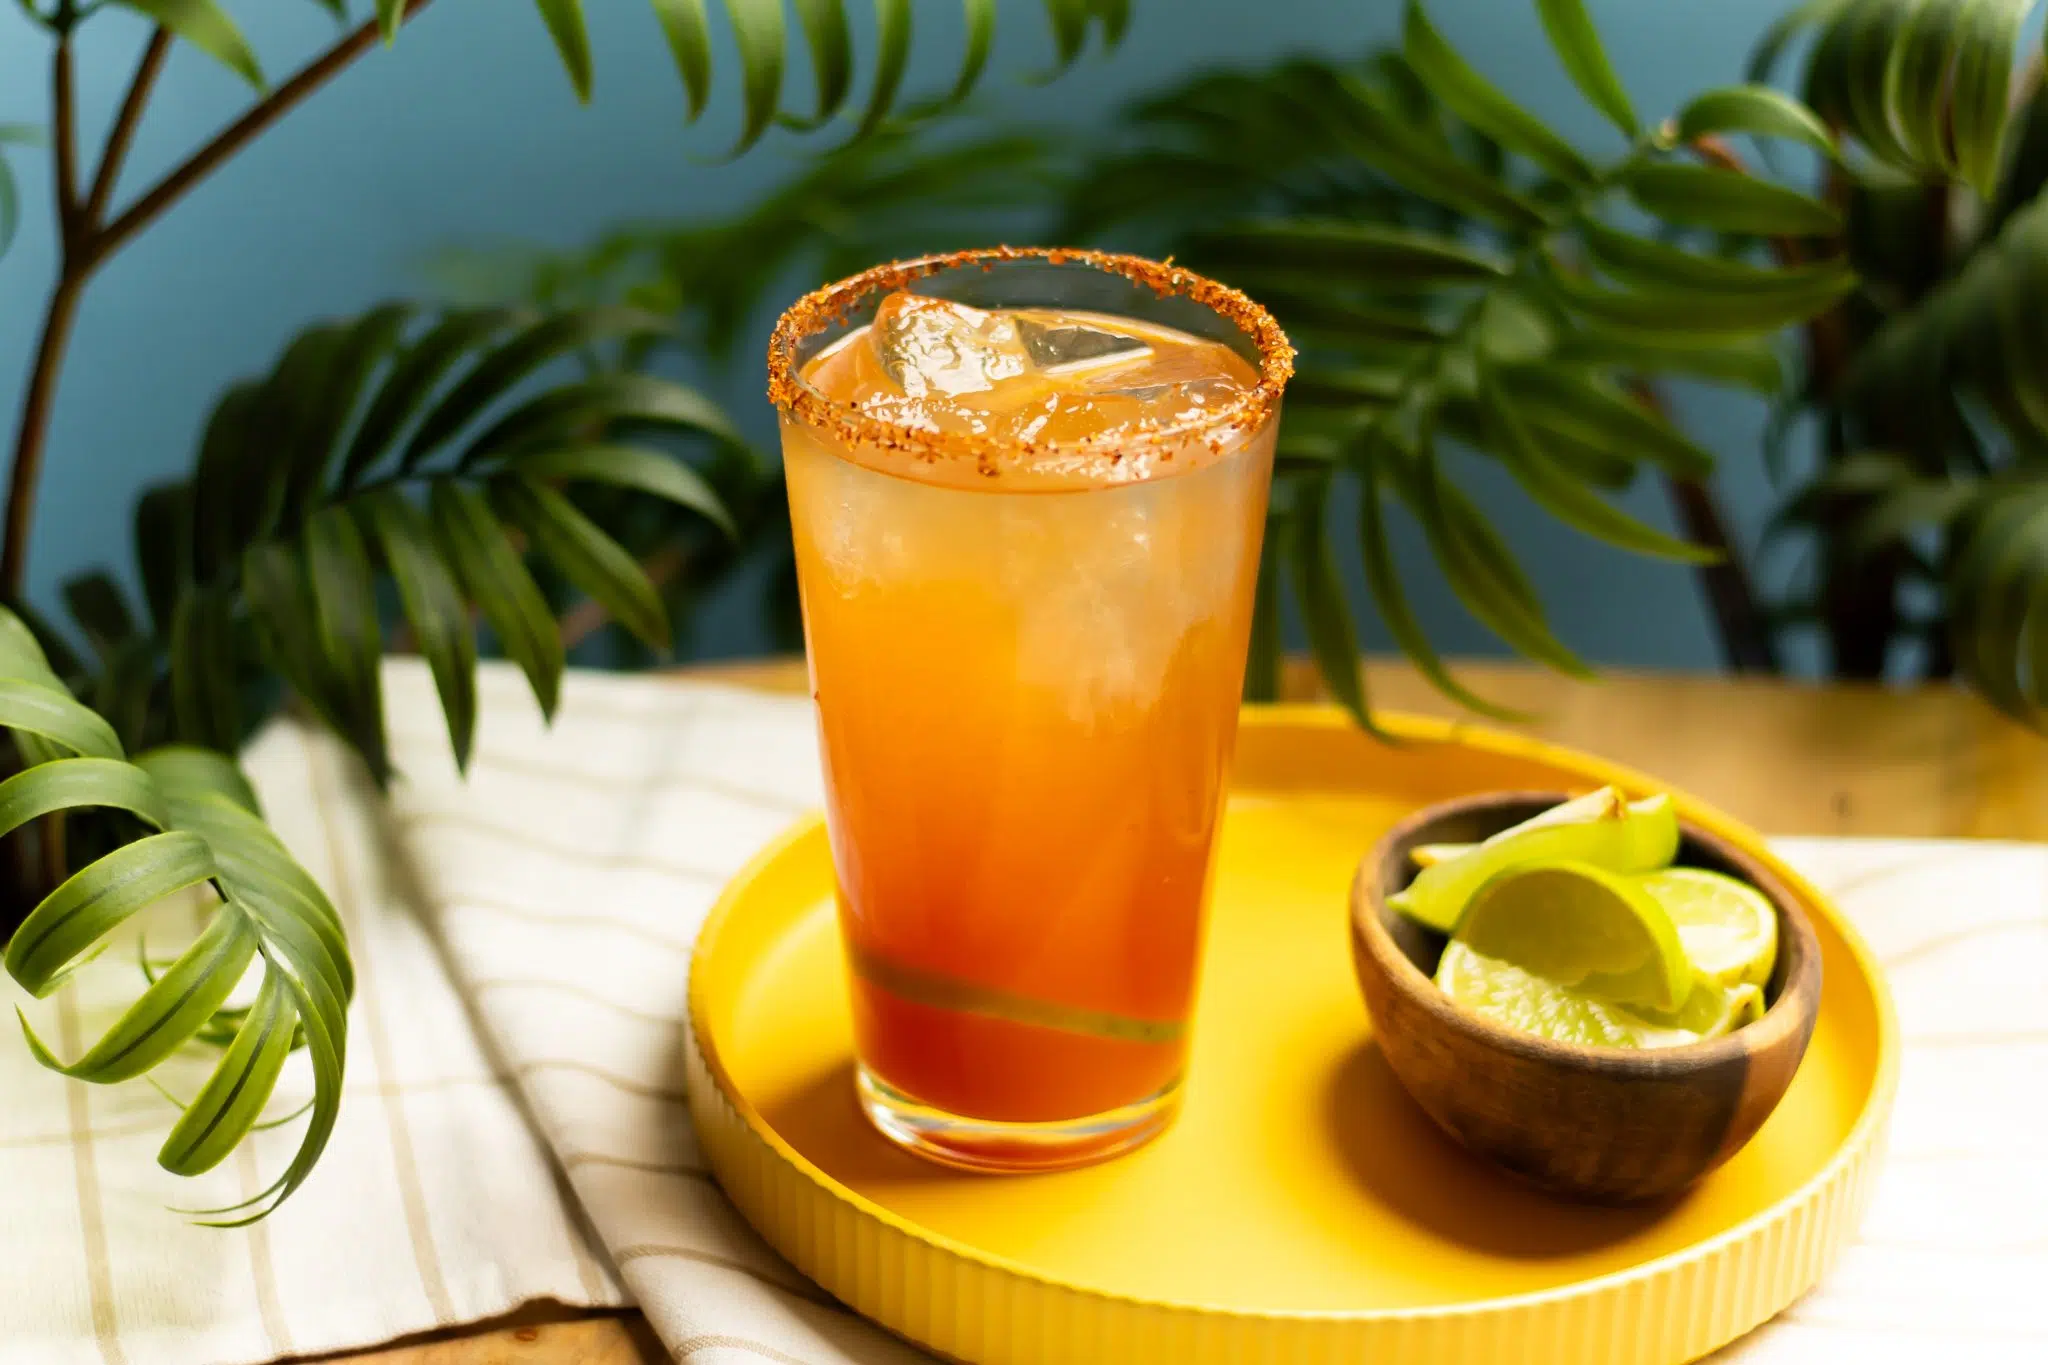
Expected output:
{"points": [[1787, 758]]}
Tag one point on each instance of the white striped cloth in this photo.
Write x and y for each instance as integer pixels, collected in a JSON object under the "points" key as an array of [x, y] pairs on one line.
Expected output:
{"points": [[435, 1204], [563, 884]]}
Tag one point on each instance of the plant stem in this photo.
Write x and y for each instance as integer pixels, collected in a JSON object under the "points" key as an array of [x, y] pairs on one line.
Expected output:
{"points": [[1745, 637], [35, 429], [123, 135], [240, 133], [87, 244], [57, 321], [64, 133]]}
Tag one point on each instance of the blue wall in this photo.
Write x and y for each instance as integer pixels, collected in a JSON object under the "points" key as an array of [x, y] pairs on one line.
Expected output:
{"points": [[467, 130]]}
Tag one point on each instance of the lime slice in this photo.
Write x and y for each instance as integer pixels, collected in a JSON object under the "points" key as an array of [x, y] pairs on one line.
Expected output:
{"points": [[1728, 927], [1708, 1012], [1584, 928], [1519, 999], [1599, 828]]}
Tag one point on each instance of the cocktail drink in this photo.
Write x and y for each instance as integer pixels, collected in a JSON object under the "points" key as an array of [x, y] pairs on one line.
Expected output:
{"points": [[1027, 491]]}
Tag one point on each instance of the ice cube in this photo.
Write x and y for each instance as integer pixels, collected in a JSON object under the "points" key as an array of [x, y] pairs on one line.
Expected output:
{"points": [[1175, 386], [933, 347], [1074, 349]]}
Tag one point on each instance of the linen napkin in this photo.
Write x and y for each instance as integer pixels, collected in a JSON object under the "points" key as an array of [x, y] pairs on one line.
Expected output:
{"points": [[563, 884]]}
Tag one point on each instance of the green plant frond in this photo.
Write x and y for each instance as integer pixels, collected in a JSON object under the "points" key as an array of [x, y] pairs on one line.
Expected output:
{"points": [[498, 371], [760, 32], [342, 587], [585, 554], [608, 401], [207, 27], [1755, 110], [433, 604], [1481, 104], [1726, 201], [1996, 589], [1563, 497], [1744, 362], [1383, 581], [1981, 334], [416, 371], [760, 38], [1673, 305], [1599, 416], [1480, 568], [488, 566], [193, 826], [1421, 160], [1305, 546], [100, 608], [1585, 60], [353, 461], [1923, 85], [1266, 654], [1447, 266], [19, 135]]}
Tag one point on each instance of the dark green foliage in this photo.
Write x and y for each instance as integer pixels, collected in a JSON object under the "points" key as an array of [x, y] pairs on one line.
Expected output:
{"points": [[1929, 387], [312, 483], [1451, 267], [189, 823]]}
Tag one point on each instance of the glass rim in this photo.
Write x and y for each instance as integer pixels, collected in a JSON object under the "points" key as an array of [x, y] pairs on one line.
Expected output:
{"points": [[855, 426]]}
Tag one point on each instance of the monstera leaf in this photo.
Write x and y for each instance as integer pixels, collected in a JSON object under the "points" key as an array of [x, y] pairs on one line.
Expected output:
{"points": [[191, 825]]}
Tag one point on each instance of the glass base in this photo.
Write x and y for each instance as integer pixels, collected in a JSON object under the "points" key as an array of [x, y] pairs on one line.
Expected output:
{"points": [[992, 1145]]}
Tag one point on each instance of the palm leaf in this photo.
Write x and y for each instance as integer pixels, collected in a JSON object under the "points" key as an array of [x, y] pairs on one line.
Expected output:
{"points": [[433, 605], [207, 27], [1585, 60], [1433, 287], [1481, 104], [1320, 591], [197, 829], [1758, 111], [297, 506], [1922, 84]]}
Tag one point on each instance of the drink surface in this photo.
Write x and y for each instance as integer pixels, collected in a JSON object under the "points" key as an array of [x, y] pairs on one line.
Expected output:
{"points": [[1026, 699], [1036, 375]]}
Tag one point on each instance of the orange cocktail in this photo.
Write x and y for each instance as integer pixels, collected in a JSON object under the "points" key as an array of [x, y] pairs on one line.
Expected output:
{"points": [[1027, 495]]}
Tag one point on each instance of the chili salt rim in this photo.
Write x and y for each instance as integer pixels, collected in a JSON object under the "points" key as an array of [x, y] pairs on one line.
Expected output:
{"points": [[855, 426]]}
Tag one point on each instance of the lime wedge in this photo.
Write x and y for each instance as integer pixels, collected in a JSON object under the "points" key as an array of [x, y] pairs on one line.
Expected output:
{"points": [[1584, 928], [1729, 929], [1599, 828], [1429, 855], [1519, 999], [1708, 1012]]}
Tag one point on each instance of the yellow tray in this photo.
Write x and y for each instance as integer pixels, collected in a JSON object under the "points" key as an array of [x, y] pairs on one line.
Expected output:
{"points": [[1302, 1209]]}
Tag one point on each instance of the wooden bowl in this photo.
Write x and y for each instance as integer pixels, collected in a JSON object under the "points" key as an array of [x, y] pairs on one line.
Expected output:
{"points": [[1613, 1125]]}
